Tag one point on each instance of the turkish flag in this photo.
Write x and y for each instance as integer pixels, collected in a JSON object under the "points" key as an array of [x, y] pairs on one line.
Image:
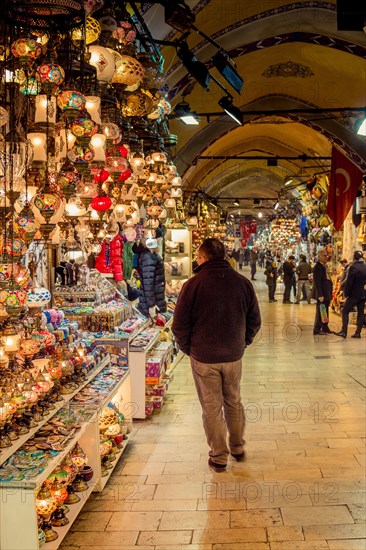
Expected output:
{"points": [[345, 180], [252, 228]]}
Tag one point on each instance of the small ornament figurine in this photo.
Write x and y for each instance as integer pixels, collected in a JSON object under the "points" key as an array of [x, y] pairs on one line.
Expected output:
{"points": [[84, 275]]}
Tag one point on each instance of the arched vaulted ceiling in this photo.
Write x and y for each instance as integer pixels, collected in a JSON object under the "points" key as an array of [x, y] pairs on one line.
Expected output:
{"points": [[291, 56]]}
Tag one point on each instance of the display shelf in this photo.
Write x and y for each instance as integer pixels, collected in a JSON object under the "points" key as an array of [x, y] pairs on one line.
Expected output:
{"points": [[104, 480], [75, 510], [7, 452], [18, 498]]}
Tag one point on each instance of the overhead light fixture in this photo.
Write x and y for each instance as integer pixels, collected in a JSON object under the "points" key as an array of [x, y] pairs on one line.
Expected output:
{"points": [[236, 202], [178, 15], [235, 113], [197, 69], [361, 126], [260, 214], [272, 162], [288, 181], [277, 205], [183, 111], [226, 67]]}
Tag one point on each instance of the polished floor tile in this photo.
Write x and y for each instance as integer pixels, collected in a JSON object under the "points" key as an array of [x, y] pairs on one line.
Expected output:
{"points": [[302, 486]]}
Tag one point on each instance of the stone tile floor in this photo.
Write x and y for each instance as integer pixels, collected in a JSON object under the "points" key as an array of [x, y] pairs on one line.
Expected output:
{"points": [[302, 486]]}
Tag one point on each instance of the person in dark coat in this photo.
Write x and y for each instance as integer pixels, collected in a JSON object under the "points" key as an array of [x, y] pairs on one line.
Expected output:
{"points": [[216, 317], [253, 258], [151, 270], [322, 288], [355, 293], [288, 272], [271, 280]]}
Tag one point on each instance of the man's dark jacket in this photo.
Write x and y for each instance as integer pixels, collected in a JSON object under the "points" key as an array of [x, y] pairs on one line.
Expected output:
{"points": [[288, 271], [322, 285], [356, 281], [217, 314]]}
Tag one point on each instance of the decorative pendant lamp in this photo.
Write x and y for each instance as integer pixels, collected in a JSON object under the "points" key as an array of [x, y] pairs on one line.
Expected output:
{"points": [[130, 71], [46, 108], [103, 60], [84, 128], [101, 203], [25, 225], [71, 103], [93, 107], [50, 76], [26, 50]]}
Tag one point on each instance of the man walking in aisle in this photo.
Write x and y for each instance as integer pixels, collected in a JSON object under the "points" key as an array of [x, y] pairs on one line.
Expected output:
{"points": [[322, 292], [303, 271], [253, 258], [355, 293], [216, 317], [288, 271]]}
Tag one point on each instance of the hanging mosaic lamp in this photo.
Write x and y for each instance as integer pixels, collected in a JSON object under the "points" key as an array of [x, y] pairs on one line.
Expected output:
{"points": [[84, 128], [47, 202], [103, 60], [90, 32], [50, 76], [26, 50], [38, 297], [71, 103], [25, 225], [130, 71]]}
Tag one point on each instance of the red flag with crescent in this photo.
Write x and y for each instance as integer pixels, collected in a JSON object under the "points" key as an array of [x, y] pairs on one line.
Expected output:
{"points": [[344, 182]]}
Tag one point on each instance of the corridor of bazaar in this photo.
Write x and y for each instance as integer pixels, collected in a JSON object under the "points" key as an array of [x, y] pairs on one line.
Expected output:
{"points": [[165, 167]]}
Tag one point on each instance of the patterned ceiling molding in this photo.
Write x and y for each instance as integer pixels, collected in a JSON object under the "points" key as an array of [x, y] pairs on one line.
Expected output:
{"points": [[257, 17], [287, 38], [288, 69]]}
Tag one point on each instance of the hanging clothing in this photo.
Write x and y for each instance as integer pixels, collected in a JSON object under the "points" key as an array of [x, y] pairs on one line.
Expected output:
{"points": [[116, 250], [127, 260], [103, 260], [151, 268]]}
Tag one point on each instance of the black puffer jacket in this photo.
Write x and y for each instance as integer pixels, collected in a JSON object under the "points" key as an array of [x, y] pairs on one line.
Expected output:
{"points": [[151, 267]]}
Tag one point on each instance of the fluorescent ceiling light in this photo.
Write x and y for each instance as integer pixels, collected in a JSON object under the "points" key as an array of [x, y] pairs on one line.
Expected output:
{"points": [[190, 120], [277, 205], [226, 103], [183, 111], [236, 202], [362, 129], [288, 182], [260, 215]]}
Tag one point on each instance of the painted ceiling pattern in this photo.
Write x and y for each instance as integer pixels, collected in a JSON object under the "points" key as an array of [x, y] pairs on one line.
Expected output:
{"points": [[265, 44]]}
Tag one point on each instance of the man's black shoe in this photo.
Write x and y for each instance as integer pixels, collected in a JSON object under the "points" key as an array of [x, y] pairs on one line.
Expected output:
{"points": [[239, 457], [356, 335], [216, 467], [341, 334]]}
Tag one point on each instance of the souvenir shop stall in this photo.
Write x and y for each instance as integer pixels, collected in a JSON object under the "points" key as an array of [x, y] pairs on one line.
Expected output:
{"points": [[284, 237], [87, 187]]}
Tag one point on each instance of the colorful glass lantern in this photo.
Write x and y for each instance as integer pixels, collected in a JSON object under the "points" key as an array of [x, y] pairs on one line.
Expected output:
{"points": [[15, 248], [39, 297], [13, 299], [55, 370], [116, 164], [78, 457], [138, 104], [8, 270], [29, 347], [45, 502], [50, 76], [130, 71], [30, 87], [71, 102], [68, 179], [101, 203], [125, 33], [80, 155], [100, 176], [103, 60], [26, 50], [25, 225], [84, 127], [47, 202], [91, 34]]}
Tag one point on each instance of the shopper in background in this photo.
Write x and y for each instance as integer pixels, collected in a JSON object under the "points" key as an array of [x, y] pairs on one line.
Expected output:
{"points": [[253, 258], [216, 317], [241, 258], [303, 271], [294, 282], [262, 256], [288, 272], [355, 293], [322, 289], [271, 280]]}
